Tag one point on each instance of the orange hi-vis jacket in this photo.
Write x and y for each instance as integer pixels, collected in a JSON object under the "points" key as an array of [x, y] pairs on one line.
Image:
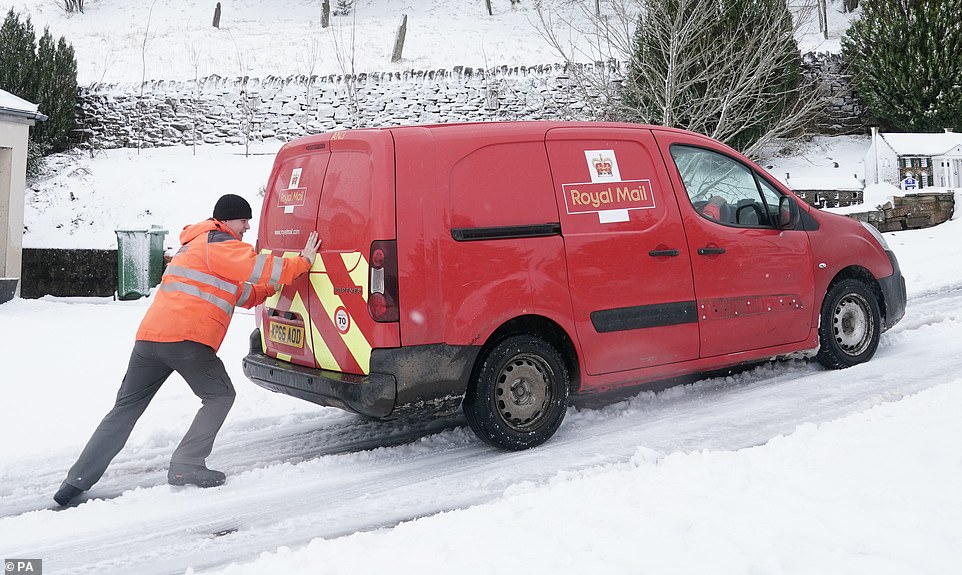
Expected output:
{"points": [[212, 272]]}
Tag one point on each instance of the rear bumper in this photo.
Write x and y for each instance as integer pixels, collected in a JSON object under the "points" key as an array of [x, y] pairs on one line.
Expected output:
{"points": [[893, 293], [426, 378], [373, 395]]}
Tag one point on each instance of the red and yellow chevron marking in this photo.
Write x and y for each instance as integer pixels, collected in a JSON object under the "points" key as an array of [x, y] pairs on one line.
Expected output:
{"points": [[351, 351], [346, 351]]}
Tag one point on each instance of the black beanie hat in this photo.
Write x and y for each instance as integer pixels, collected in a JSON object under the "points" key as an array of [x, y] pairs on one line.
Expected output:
{"points": [[232, 207]]}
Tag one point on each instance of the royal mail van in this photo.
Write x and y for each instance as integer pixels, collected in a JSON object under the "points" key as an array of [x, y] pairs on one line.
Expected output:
{"points": [[505, 268]]}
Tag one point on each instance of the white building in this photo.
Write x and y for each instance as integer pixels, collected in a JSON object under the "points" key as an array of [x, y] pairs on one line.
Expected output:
{"points": [[915, 161], [16, 117]]}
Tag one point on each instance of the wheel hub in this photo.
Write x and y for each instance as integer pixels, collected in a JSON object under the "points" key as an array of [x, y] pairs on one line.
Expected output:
{"points": [[522, 391], [852, 325]]}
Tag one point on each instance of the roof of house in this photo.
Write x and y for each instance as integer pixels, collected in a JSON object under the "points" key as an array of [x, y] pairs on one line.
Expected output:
{"points": [[917, 144], [823, 184], [11, 105]]}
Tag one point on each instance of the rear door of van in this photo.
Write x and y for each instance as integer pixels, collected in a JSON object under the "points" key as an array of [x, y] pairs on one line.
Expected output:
{"points": [[629, 268], [342, 185]]}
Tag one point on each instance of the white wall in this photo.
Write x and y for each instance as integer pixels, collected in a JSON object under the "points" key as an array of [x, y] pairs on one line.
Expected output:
{"points": [[13, 166]]}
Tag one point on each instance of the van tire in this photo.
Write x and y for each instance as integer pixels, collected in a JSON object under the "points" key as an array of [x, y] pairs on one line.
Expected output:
{"points": [[850, 325], [518, 394]]}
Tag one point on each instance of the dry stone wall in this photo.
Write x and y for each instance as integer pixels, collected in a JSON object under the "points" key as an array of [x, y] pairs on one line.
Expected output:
{"points": [[219, 110], [216, 110]]}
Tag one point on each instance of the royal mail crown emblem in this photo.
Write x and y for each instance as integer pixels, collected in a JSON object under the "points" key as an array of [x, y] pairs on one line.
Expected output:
{"points": [[602, 166]]}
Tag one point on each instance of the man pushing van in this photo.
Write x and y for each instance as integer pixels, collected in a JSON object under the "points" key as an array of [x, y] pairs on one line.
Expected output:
{"points": [[213, 272]]}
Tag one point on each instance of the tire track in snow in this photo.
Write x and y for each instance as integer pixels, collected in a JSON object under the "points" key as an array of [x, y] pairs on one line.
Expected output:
{"points": [[163, 530]]}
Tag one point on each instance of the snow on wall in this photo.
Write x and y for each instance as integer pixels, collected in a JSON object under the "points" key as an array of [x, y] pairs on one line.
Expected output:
{"points": [[231, 110], [215, 110]]}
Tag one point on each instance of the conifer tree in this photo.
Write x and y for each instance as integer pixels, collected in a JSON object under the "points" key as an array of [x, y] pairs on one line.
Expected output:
{"points": [[17, 56], [56, 93], [43, 72], [905, 57]]}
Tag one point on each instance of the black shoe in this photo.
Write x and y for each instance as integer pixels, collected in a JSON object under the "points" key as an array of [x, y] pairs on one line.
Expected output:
{"points": [[199, 475], [66, 494]]}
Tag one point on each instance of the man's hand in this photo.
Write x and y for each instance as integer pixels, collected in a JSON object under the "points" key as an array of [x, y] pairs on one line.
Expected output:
{"points": [[310, 249]]}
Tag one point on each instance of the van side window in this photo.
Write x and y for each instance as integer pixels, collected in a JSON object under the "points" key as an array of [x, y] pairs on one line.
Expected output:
{"points": [[723, 189]]}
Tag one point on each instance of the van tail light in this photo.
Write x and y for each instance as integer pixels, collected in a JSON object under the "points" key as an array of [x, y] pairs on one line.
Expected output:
{"points": [[382, 297]]}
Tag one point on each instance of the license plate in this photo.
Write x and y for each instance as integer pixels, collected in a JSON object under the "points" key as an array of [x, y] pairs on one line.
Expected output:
{"points": [[286, 334]]}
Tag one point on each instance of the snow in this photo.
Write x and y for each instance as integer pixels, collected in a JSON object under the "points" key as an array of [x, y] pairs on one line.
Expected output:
{"points": [[10, 102], [784, 468], [123, 41], [922, 144]]}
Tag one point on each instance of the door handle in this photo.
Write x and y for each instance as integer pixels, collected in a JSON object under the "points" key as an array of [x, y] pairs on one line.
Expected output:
{"points": [[710, 251], [663, 253]]}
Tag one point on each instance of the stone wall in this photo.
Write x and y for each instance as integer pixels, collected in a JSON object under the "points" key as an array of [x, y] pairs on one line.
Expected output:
{"points": [[216, 110], [62, 272], [219, 110], [845, 114], [911, 212]]}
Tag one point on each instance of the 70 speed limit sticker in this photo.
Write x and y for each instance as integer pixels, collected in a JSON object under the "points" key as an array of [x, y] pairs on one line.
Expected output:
{"points": [[341, 320]]}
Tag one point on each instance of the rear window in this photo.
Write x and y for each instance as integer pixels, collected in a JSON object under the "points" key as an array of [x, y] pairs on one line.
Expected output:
{"points": [[347, 204]]}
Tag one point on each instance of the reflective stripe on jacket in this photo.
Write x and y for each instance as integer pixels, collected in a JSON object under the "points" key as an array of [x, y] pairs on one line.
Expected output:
{"points": [[212, 272]]}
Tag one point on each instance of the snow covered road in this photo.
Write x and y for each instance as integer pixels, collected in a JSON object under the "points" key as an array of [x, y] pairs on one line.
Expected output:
{"points": [[316, 473]]}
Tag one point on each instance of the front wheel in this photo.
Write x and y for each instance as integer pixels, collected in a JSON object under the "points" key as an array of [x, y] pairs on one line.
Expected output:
{"points": [[519, 394], [850, 325]]}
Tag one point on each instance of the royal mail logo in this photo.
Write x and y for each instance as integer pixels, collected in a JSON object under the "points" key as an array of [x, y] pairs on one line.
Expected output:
{"points": [[294, 197], [590, 197], [602, 166]]}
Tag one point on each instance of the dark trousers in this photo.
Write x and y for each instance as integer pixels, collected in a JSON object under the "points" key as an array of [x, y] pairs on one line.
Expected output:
{"points": [[151, 363]]}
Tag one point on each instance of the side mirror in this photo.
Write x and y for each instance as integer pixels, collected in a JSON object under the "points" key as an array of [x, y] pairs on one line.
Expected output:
{"points": [[787, 213]]}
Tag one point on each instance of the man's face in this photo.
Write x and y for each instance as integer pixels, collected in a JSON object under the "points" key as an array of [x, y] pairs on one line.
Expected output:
{"points": [[238, 226]]}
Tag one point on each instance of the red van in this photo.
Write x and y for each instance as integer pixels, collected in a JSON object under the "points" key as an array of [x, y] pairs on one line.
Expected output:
{"points": [[505, 267]]}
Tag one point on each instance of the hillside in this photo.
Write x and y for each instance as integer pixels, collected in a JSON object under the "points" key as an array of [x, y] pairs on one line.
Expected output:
{"points": [[128, 41]]}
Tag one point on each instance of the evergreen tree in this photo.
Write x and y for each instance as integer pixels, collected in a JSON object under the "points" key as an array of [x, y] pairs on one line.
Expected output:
{"points": [[56, 92], [727, 68], [42, 72], [17, 57], [905, 57]]}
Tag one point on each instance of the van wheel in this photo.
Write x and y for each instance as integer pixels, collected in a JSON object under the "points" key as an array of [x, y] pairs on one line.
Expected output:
{"points": [[519, 394], [849, 330]]}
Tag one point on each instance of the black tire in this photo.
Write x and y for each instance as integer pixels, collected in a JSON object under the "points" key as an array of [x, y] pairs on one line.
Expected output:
{"points": [[518, 394], [850, 326]]}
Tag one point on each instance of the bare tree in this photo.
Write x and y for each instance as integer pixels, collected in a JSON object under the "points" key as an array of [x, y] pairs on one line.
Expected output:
{"points": [[70, 6], [141, 105], [345, 52], [193, 54], [248, 102], [688, 77], [307, 61]]}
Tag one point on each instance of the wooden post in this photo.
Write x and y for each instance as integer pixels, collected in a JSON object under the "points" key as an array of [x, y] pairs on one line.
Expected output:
{"points": [[399, 39], [488, 4], [325, 13], [216, 22]]}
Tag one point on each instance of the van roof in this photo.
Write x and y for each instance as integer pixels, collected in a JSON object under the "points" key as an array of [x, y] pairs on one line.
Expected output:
{"points": [[535, 126]]}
